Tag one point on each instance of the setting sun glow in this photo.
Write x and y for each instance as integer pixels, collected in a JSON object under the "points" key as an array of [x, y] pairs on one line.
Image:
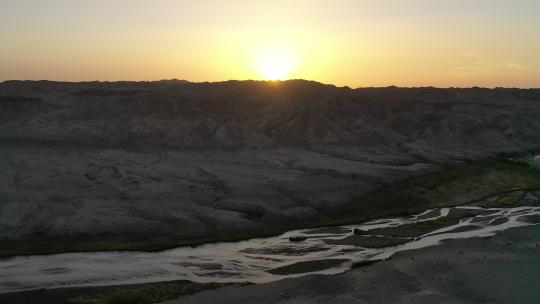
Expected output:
{"points": [[274, 63], [342, 42]]}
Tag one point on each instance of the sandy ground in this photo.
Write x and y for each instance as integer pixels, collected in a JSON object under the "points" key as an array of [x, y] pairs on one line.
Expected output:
{"points": [[500, 269]]}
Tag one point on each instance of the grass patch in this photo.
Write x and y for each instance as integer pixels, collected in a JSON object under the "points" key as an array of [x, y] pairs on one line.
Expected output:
{"points": [[503, 200], [454, 185], [506, 200]]}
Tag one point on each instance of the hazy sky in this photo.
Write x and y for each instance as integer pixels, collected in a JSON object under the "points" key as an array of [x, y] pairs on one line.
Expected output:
{"points": [[345, 42]]}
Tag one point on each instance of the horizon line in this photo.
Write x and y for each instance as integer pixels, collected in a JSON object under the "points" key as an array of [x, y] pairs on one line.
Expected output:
{"points": [[269, 81]]}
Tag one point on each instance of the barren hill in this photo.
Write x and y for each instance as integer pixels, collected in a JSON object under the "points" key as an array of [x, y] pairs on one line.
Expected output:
{"points": [[200, 158]]}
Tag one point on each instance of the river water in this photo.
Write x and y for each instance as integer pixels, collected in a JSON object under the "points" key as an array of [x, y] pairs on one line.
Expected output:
{"points": [[250, 260]]}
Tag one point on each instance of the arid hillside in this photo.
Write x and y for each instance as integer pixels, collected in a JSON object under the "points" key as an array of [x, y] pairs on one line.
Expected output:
{"points": [[235, 115], [199, 159]]}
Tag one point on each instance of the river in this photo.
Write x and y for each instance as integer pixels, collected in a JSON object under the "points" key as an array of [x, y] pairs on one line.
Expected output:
{"points": [[254, 260]]}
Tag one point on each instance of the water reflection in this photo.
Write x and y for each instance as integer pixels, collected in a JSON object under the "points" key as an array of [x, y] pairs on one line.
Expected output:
{"points": [[328, 250]]}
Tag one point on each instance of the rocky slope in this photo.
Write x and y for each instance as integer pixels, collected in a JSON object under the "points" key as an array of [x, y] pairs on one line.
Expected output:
{"points": [[199, 158]]}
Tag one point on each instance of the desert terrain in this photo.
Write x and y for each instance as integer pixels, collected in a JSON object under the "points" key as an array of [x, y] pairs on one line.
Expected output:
{"points": [[198, 160], [145, 167]]}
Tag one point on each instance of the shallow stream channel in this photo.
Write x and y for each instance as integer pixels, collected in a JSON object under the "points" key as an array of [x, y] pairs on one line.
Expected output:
{"points": [[296, 253]]}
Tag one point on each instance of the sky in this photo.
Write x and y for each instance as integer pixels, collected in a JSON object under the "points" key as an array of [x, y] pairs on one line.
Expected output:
{"points": [[357, 43]]}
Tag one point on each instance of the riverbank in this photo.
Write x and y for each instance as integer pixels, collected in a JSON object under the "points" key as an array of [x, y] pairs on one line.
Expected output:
{"points": [[296, 253], [499, 269]]}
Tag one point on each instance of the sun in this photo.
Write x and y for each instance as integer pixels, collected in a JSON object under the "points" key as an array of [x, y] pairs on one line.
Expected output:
{"points": [[274, 63]]}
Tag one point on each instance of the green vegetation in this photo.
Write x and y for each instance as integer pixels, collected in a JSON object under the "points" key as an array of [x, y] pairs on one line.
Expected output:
{"points": [[506, 200], [503, 200], [455, 185], [126, 294]]}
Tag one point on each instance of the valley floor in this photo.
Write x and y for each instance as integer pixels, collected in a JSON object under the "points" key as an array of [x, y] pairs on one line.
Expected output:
{"points": [[500, 269]]}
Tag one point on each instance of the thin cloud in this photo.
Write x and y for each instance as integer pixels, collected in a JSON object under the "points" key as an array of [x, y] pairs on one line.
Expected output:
{"points": [[480, 64]]}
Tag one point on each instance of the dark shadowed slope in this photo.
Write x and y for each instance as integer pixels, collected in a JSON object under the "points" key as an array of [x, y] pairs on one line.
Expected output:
{"points": [[194, 160], [179, 114]]}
